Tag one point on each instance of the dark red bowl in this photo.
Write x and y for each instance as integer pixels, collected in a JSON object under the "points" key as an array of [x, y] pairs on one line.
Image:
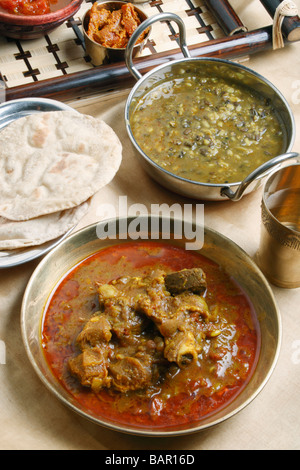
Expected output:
{"points": [[35, 26]]}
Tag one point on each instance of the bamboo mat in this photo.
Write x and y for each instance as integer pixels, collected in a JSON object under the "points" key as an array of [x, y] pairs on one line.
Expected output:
{"points": [[62, 52]]}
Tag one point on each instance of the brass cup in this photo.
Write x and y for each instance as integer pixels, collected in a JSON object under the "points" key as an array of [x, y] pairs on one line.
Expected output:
{"points": [[101, 55], [278, 255]]}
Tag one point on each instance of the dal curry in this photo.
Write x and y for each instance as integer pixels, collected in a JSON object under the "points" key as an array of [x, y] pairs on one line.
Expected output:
{"points": [[206, 126]]}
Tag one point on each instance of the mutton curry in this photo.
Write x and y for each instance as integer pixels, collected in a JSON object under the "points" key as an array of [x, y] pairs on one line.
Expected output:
{"points": [[150, 334], [113, 28]]}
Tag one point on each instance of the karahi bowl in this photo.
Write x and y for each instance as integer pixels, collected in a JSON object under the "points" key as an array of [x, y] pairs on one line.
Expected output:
{"points": [[35, 26], [216, 67], [218, 248], [100, 54]]}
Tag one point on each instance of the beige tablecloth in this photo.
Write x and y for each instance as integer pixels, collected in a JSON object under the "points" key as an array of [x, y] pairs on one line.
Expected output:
{"points": [[32, 418]]}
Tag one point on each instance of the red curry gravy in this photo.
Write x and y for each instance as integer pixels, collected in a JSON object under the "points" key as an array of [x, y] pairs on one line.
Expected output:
{"points": [[182, 396], [30, 7]]}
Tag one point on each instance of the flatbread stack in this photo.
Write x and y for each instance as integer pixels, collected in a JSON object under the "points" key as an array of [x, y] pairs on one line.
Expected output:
{"points": [[51, 164]]}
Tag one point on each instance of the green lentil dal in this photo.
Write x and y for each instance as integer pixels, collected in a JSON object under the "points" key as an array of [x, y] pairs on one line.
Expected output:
{"points": [[206, 128]]}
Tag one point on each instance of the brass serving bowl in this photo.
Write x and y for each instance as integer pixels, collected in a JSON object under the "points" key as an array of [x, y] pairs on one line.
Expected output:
{"points": [[216, 247], [100, 54]]}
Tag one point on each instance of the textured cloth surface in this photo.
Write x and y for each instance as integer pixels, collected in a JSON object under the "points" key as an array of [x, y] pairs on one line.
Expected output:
{"points": [[32, 418]]}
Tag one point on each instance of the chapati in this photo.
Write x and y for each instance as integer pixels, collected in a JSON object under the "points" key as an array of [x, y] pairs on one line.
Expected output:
{"points": [[54, 161], [34, 232]]}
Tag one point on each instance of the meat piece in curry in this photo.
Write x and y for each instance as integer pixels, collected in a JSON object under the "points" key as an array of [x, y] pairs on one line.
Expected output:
{"points": [[141, 327], [113, 28], [192, 280], [98, 19]]}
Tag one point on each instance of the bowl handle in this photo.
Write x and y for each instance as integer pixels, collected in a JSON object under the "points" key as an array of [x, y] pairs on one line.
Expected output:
{"points": [[146, 24], [259, 172]]}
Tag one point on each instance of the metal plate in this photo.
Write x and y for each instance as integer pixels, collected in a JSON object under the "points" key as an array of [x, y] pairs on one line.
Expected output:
{"points": [[11, 111]]}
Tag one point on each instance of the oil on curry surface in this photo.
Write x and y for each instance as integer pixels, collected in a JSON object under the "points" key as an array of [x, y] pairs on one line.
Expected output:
{"points": [[149, 334]]}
